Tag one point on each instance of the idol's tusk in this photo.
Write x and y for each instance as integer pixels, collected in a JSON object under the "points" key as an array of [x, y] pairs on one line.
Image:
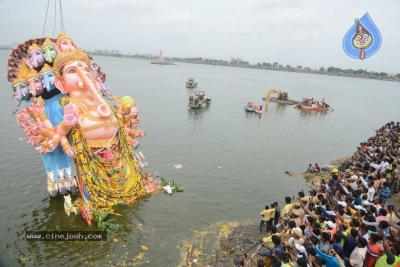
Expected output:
{"points": [[23, 139], [80, 84]]}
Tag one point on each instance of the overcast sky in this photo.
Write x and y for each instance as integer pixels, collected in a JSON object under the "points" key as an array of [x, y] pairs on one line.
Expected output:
{"points": [[295, 32]]}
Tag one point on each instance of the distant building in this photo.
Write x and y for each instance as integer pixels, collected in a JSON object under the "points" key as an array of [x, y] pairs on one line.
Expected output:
{"points": [[236, 60]]}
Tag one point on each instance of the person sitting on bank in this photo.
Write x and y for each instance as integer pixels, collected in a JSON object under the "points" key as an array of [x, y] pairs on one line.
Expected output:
{"points": [[310, 168], [317, 168]]}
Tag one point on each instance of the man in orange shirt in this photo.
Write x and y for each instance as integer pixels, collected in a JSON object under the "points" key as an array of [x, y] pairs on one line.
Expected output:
{"points": [[374, 250]]}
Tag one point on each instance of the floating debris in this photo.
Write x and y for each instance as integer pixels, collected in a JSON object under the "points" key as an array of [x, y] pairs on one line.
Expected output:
{"points": [[218, 244]]}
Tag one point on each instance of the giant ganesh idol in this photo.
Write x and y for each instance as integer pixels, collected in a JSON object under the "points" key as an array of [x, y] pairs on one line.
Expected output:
{"points": [[95, 130]]}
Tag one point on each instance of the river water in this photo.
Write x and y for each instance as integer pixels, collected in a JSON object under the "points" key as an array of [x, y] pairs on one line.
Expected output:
{"points": [[233, 162]]}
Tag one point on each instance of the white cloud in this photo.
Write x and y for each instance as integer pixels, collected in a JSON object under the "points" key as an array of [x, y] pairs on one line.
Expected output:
{"points": [[307, 33]]}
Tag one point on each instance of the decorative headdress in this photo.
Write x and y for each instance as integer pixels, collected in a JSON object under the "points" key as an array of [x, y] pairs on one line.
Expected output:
{"points": [[360, 29], [69, 56], [47, 42], [62, 36], [47, 67], [31, 73], [33, 47], [23, 70], [18, 80]]}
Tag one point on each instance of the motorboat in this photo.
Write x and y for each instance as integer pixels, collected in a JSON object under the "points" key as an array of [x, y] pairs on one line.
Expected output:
{"points": [[191, 83], [258, 109], [249, 107], [199, 100]]}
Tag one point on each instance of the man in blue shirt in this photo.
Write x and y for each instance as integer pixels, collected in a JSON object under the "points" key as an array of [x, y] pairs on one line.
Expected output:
{"points": [[277, 250], [350, 242], [385, 194], [329, 258], [357, 198]]}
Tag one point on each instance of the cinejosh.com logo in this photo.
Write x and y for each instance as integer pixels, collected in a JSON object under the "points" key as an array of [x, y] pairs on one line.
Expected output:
{"points": [[66, 236]]}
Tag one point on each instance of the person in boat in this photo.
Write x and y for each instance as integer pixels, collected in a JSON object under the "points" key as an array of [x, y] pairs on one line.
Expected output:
{"points": [[261, 107]]}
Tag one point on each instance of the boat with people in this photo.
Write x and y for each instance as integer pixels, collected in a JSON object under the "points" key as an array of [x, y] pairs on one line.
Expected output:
{"points": [[281, 98], [199, 100], [311, 104], [258, 109], [249, 107], [191, 83]]}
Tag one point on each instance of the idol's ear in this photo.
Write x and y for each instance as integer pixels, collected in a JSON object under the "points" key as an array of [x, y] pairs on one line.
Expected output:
{"points": [[57, 47], [59, 83]]}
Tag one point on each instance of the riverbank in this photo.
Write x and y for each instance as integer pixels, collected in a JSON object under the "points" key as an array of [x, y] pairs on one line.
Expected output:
{"points": [[224, 63], [246, 238], [230, 240]]}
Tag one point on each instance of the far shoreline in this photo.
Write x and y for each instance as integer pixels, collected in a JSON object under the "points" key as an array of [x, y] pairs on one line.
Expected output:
{"points": [[360, 76]]}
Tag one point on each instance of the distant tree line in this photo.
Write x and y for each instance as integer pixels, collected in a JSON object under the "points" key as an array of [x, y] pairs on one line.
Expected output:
{"points": [[235, 61], [358, 72]]}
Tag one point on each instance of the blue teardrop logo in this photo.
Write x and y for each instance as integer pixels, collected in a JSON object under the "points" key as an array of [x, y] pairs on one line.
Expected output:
{"points": [[363, 39]]}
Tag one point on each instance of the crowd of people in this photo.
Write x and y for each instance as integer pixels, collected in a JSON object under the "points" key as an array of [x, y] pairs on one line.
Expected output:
{"points": [[346, 220]]}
